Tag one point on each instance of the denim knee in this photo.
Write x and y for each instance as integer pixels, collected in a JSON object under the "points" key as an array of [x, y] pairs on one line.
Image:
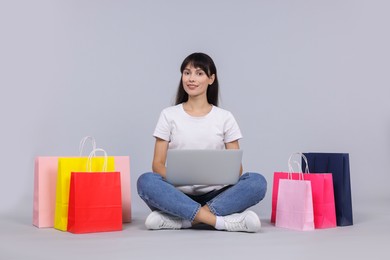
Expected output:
{"points": [[258, 185], [145, 181]]}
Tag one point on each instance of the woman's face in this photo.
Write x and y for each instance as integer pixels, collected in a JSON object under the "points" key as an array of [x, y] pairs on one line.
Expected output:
{"points": [[195, 81]]}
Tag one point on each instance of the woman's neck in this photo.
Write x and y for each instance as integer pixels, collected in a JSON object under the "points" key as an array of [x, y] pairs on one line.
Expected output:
{"points": [[197, 107]]}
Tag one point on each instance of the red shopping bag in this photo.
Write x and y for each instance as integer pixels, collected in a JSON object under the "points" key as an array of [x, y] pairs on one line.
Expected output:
{"points": [[95, 201], [323, 197]]}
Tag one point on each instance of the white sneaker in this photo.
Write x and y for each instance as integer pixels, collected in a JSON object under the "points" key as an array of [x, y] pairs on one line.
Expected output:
{"points": [[246, 221], [160, 220]]}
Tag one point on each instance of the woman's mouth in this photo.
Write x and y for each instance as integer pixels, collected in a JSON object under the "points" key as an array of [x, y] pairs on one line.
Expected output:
{"points": [[191, 86]]}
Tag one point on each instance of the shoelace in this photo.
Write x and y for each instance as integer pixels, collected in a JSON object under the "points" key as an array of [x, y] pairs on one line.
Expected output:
{"points": [[236, 224], [169, 223]]}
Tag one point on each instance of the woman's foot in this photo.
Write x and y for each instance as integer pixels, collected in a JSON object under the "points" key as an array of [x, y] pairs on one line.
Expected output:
{"points": [[159, 220], [247, 221]]}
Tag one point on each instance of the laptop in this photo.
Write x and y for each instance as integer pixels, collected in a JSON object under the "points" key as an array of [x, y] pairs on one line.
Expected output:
{"points": [[203, 167]]}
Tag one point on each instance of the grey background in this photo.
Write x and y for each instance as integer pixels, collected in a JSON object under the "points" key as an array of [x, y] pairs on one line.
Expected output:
{"points": [[297, 75]]}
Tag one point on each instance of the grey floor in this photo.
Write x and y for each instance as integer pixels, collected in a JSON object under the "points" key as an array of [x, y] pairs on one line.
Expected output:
{"points": [[368, 238]]}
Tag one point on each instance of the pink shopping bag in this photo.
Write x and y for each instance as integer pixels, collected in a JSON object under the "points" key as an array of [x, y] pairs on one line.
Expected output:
{"points": [[122, 165], [294, 203], [45, 179], [294, 208]]}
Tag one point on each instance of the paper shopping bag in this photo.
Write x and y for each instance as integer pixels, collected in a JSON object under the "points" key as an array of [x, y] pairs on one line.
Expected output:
{"points": [[95, 203], [322, 192], [338, 165], [294, 206], [66, 165], [45, 178], [323, 197], [122, 165]]}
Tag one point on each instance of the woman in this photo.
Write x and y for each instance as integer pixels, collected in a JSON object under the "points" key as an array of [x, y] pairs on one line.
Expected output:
{"points": [[196, 122]]}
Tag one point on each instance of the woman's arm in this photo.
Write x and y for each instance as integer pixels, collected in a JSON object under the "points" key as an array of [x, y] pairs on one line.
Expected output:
{"points": [[234, 145], [160, 156]]}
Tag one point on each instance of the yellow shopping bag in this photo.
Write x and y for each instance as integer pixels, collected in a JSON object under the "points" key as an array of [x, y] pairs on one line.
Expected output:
{"points": [[65, 167]]}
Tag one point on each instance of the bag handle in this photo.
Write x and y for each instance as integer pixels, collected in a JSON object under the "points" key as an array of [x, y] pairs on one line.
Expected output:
{"points": [[290, 168], [93, 154], [84, 140]]}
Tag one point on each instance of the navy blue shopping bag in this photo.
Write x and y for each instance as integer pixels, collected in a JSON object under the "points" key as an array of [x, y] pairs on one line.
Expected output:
{"points": [[338, 165]]}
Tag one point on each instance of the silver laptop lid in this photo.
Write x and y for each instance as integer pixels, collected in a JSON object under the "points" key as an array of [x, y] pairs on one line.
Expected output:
{"points": [[203, 167]]}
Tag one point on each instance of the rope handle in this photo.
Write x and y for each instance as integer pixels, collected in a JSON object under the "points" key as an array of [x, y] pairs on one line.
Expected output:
{"points": [[84, 140], [93, 154], [291, 169]]}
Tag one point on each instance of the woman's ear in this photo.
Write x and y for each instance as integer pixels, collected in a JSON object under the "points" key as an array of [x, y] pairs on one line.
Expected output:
{"points": [[211, 79]]}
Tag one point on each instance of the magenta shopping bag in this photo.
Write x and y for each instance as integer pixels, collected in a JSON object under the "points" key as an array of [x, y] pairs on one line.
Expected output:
{"points": [[323, 195]]}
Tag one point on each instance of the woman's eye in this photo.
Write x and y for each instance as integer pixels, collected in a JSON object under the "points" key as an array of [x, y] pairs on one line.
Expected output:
{"points": [[200, 73]]}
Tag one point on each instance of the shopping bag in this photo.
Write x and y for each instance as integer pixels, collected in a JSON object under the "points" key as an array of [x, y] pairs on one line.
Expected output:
{"points": [[294, 201], [294, 206], [122, 165], [322, 191], [66, 165], [338, 165], [45, 178], [95, 203]]}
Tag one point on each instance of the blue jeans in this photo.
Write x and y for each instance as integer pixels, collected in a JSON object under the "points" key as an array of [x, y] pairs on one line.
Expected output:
{"points": [[159, 194]]}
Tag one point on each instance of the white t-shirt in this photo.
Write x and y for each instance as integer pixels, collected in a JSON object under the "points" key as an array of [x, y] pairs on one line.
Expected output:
{"points": [[184, 131]]}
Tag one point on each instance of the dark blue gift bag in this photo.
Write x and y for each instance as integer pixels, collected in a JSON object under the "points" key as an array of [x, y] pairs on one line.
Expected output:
{"points": [[338, 165]]}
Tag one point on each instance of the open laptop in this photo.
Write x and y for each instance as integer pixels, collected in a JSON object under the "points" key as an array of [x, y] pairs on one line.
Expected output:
{"points": [[203, 167]]}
